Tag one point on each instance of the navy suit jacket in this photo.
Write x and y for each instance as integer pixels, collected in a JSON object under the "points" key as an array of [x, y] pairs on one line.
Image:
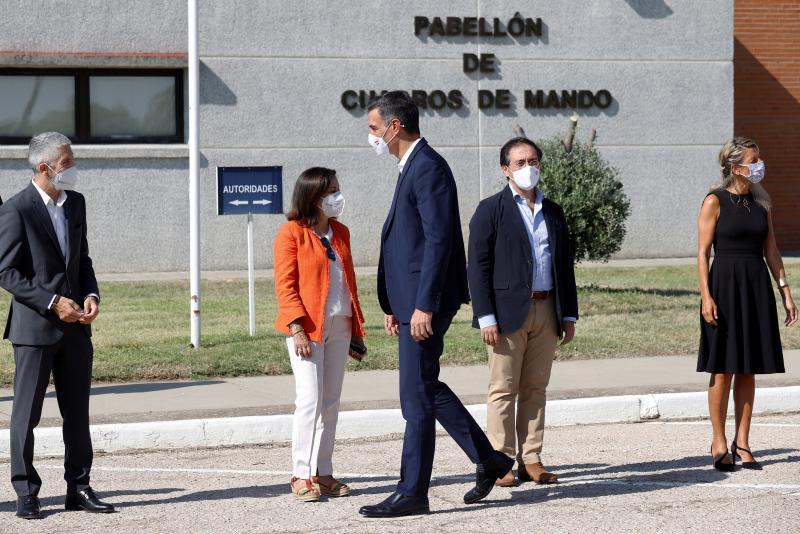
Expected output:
{"points": [[422, 262], [501, 264], [33, 269]]}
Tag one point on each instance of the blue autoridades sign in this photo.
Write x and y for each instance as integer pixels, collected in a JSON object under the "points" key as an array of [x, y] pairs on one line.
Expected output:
{"points": [[249, 190]]}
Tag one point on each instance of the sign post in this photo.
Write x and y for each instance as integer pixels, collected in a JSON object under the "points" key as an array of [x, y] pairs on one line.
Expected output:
{"points": [[251, 279], [250, 191]]}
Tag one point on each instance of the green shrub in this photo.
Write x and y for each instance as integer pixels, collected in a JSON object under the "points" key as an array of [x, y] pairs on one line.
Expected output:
{"points": [[588, 189]]}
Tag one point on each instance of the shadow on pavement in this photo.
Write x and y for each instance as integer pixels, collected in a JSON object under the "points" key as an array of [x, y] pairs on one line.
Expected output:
{"points": [[221, 494], [135, 387], [645, 477], [52, 504], [678, 464]]}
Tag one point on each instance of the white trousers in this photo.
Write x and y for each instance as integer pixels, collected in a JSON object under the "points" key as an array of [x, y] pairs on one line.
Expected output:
{"points": [[318, 386]]}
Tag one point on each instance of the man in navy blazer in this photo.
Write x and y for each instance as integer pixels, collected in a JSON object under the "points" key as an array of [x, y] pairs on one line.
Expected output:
{"points": [[524, 298], [422, 282]]}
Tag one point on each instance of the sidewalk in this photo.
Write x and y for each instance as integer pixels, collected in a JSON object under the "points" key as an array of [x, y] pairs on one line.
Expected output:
{"points": [[370, 390]]}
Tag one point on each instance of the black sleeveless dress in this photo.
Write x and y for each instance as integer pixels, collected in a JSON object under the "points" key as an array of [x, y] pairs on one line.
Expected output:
{"points": [[746, 338]]}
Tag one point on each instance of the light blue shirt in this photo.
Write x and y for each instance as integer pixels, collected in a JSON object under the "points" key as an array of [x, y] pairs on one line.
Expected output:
{"points": [[539, 239], [536, 229]]}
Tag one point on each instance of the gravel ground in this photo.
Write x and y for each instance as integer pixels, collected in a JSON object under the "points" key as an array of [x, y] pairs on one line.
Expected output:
{"points": [[649, 477]]}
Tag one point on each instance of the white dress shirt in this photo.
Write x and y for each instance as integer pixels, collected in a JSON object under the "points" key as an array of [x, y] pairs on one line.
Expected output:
{"points": [[338, 302], [56, 211], [59, 220], [402, 162], [536, 229]]}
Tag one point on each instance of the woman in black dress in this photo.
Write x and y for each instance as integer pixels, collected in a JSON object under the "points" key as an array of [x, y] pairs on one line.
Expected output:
{"points": [[739, 335]]}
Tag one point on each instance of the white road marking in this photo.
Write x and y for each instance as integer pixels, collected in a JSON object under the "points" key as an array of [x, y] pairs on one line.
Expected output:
{"points": [[578, 482], [704, 423]]}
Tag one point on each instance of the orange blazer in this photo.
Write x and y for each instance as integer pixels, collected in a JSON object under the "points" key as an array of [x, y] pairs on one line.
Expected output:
{"points": [[302, 278]]}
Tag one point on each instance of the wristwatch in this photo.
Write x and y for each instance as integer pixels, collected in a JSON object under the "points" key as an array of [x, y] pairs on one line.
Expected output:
{"points": [[295, 328]]}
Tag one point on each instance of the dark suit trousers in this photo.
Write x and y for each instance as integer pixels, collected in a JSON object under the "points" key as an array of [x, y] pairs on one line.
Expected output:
{"points": [[70, 362], [424, 399]]}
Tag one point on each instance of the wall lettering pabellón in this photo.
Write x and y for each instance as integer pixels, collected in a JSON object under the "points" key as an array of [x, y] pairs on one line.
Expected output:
{"points": [[516, 27]]}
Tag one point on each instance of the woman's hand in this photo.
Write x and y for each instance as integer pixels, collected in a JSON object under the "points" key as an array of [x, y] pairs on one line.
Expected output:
{"points": [[709, 309], [791, 310], [302, 347], [357, 340]]}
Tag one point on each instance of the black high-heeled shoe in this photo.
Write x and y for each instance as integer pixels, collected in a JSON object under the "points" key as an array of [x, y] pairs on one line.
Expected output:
{"points": [[719, 465], [755, 466]]}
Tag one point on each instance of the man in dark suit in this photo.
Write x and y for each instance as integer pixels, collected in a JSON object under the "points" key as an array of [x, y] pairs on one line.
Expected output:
{"points": [[522, 281], [45, 265], [422, 282]]}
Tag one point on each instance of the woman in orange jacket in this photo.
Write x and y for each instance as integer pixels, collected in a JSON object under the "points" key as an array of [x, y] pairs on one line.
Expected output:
{"points": [[318, 309]]}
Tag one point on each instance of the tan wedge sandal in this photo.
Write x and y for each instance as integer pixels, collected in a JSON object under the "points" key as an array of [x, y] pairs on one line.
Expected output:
{"points": [[306, 493], [334, 490]]}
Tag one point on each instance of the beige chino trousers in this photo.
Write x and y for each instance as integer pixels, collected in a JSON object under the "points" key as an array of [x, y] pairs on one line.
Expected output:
{"points": [[519, 371]]}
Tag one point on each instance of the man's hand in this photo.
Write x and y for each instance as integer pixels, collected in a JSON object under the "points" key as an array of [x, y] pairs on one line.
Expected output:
{"points": [[91, 309], [490, 335], [68, 310], [391, 325], [421, 328], [567, 331]]}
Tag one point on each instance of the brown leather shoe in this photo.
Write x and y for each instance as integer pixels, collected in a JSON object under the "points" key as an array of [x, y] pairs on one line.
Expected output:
{"points": [[536, 472], [507, 481]]}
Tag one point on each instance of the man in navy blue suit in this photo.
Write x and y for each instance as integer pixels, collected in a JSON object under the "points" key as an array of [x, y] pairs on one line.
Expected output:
{"points": [[422, 282]]}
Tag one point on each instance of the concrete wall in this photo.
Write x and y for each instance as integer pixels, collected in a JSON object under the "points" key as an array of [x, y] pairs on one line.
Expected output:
{"points": [[273, 73]]}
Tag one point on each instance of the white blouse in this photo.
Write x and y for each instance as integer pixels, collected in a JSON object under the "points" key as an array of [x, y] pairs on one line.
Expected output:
{"points": [[338, 302]]}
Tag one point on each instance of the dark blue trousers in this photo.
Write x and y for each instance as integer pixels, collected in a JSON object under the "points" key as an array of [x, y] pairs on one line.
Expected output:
{"points": [[424, 399]]}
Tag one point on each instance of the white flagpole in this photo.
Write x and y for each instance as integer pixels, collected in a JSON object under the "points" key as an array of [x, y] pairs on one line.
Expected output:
{"points": [[194, 178]]}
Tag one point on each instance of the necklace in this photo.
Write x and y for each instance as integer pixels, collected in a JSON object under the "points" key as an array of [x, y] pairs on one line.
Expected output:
{"points": [[742, 201]]}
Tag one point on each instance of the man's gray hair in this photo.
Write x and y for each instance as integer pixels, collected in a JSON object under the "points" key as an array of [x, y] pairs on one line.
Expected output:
{"points": [[44, 148]]}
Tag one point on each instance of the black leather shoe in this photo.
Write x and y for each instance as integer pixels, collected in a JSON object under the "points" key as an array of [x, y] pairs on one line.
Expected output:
{"points": [[486, 474], [28, 507], [397, 505], [85, 499]]}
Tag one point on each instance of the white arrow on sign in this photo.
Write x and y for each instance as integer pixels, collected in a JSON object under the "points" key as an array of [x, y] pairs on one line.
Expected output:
{"points": [[239, 202], [262, 202]]}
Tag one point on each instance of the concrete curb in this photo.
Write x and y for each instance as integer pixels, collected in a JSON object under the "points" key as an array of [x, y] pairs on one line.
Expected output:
{"points": [[370, 423]]}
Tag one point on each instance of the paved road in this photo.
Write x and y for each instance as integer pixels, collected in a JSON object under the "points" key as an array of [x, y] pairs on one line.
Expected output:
{"points": [[616, 478]]}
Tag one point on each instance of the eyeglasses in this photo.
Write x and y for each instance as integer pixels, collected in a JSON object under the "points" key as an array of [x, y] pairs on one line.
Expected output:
{"points": [[328, 248], [521, 163]]}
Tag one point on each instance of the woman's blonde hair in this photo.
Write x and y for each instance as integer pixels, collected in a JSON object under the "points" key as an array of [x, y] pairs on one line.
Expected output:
{"points": [[732, 153]]}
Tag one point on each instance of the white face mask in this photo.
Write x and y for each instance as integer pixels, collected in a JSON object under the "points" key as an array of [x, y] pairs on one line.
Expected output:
{"points": [[756, 171], [333, 204], [380, 146], [526, 178], [66, 180]]}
